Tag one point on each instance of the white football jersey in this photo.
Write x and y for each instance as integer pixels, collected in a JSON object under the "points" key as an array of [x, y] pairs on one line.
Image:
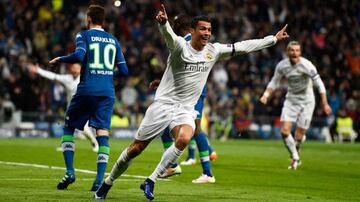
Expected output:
{"points": [[300, 78], [188, 69], [70, 83]]}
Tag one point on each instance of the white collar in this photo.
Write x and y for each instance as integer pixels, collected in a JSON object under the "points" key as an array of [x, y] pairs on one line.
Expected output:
{"points": [[100, 29]]}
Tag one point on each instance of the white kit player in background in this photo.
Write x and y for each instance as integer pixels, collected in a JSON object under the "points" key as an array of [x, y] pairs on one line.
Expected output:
{"points": [[188, 67], [299, 105], [70, 82]]}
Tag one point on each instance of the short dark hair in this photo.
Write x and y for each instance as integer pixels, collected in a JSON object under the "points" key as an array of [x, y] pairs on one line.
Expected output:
{"points": [[96, 13], [195, 20], [181, 23]]}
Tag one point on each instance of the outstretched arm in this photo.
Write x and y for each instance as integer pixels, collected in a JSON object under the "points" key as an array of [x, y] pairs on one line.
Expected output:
{"points": [[76, 56], [35, 69], [251, 45], [257, 44]]}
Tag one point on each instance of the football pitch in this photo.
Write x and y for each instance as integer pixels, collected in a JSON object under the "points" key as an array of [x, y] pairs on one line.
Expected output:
{"points": [[247, 170]]}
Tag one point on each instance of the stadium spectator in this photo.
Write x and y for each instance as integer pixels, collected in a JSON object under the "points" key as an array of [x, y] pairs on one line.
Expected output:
{"points": [[344, 127]]}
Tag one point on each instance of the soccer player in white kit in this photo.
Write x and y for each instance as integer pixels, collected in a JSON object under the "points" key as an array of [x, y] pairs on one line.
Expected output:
{"points": [[299, 104], [188, 67], [70, 82]]}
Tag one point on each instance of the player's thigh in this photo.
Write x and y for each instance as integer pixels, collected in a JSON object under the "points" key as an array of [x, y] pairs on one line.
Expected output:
{"points": [[101, 117], [157, 117], [183, 116], [79, 111], [305, 115]]}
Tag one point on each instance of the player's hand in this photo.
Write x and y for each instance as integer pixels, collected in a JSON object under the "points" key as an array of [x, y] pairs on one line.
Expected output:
{"points": [[154, 84], [54, 61], [162, 17], [282, 34], [264, 99], [327, 109], [33, 68]]}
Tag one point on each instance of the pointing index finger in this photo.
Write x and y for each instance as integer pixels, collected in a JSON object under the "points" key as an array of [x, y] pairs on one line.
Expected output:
{"points": [[162, 8], [284, 28]]}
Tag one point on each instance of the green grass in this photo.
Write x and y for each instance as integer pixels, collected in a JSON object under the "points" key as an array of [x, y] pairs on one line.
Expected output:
{"points": [[245, 171]]}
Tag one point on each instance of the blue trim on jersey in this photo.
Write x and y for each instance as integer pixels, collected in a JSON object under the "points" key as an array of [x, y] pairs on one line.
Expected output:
{"points": [[187, 37]]}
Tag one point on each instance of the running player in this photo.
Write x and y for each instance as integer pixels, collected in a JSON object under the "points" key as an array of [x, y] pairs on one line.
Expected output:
{"points": [[182, 28], [188, 67], [300, 100]]}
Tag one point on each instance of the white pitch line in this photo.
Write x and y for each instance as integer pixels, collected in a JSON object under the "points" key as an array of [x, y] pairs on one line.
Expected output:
{"points": [[62, 168], [47, 179]]}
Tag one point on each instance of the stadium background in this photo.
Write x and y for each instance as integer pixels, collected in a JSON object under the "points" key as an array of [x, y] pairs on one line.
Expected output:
{"points": [[36, 31]]}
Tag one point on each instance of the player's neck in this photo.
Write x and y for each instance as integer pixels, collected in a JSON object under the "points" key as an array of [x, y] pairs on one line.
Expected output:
{"points": [[196, 46], [92, 26]]}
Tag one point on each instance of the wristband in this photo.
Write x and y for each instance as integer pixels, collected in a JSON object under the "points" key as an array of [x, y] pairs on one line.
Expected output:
{"points": [[266, 94]]}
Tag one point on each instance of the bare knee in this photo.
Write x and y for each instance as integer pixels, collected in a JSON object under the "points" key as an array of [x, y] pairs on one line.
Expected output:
{"points": [[182, 142], [286, 129]]}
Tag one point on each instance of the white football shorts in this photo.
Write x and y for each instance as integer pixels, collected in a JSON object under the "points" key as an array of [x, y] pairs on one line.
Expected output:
{"points": [[299, 113], [161, 115]]}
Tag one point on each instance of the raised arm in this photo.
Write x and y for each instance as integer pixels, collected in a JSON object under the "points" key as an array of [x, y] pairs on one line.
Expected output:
{"points": [[165, 29], [76, 56]]}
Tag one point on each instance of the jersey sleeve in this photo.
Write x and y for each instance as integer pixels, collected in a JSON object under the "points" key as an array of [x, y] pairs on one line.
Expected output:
{"points": [[52, 76], [243, 47], [251, 45], [275, 80], [315, 77], [79, 53], [172, 41], [120, 61]]}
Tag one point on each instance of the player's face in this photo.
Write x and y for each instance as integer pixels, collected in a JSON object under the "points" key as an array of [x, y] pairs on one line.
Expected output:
{"points": [[202, 33], [294, 53]]}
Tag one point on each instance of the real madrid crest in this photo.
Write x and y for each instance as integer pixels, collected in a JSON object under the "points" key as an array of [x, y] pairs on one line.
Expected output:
{"points": [[209, 56]]}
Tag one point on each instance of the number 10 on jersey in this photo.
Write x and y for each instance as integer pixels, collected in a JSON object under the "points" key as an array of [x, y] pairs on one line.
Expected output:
{"points": [[108, 56]]}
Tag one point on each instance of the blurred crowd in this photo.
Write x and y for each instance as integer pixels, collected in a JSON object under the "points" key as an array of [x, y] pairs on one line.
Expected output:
{"points": [[38, 30]]}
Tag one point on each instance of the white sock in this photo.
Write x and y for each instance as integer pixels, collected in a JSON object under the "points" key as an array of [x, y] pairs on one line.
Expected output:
{"points": [[291, 145], [170, 156], [119, 167]]}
